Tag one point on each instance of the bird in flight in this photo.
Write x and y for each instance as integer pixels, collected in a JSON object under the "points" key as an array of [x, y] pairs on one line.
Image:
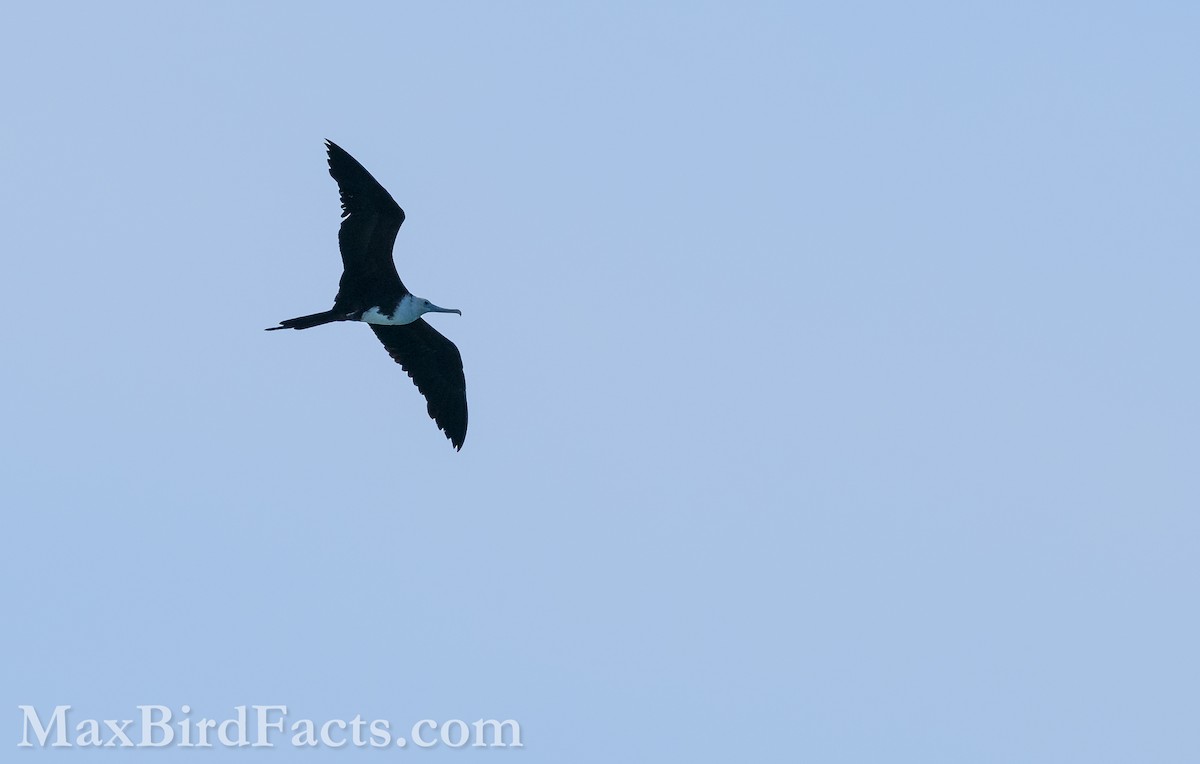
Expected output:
{"points": [[371, 291]]}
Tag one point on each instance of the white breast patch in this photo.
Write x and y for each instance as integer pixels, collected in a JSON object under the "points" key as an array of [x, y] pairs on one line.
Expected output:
{"points": [[406, 312]]}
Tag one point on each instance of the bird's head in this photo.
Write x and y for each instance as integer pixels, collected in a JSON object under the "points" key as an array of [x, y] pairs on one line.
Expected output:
{"points": [[425, 306]]}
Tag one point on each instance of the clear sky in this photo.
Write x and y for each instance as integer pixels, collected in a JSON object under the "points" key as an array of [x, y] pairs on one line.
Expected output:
{"points": [[832, 374]]}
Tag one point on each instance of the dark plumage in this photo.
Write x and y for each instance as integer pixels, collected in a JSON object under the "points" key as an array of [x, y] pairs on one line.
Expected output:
{"points": [[370, 290]]}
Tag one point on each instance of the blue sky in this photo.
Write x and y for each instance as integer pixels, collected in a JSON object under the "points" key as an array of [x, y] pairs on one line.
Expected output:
{"points": [[832, 375]]}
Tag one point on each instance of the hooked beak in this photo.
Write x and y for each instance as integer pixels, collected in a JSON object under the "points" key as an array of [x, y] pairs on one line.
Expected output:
{"points": [[435, 309]]}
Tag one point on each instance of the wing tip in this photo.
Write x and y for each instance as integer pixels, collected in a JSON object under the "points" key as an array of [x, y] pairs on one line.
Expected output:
{"points": [[453, 434]]}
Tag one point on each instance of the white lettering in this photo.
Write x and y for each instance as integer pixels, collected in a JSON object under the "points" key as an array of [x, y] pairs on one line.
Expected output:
{"points": [[416, 733], [327, 739], [264, 725], [149, 725], [185, 729], [203, 726], [305, 736], [58, 722], [88, 733], [498, 733], [462, 733], [356, 725], [381, 736], [240, 723], [118, 730], [161, 727]]}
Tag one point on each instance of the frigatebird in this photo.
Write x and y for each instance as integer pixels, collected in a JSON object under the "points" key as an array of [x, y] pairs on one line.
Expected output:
{"points": [[371, 291]]}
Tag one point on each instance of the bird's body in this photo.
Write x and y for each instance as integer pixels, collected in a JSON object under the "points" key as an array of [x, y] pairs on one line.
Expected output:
{"points": [[371, 291]]}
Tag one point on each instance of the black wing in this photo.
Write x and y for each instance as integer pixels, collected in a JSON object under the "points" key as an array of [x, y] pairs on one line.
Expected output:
{"points": [[371, 219], [435, 364]]}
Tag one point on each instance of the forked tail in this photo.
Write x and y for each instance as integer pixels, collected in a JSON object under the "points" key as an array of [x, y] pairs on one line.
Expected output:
{"points": [[307, 322]]}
